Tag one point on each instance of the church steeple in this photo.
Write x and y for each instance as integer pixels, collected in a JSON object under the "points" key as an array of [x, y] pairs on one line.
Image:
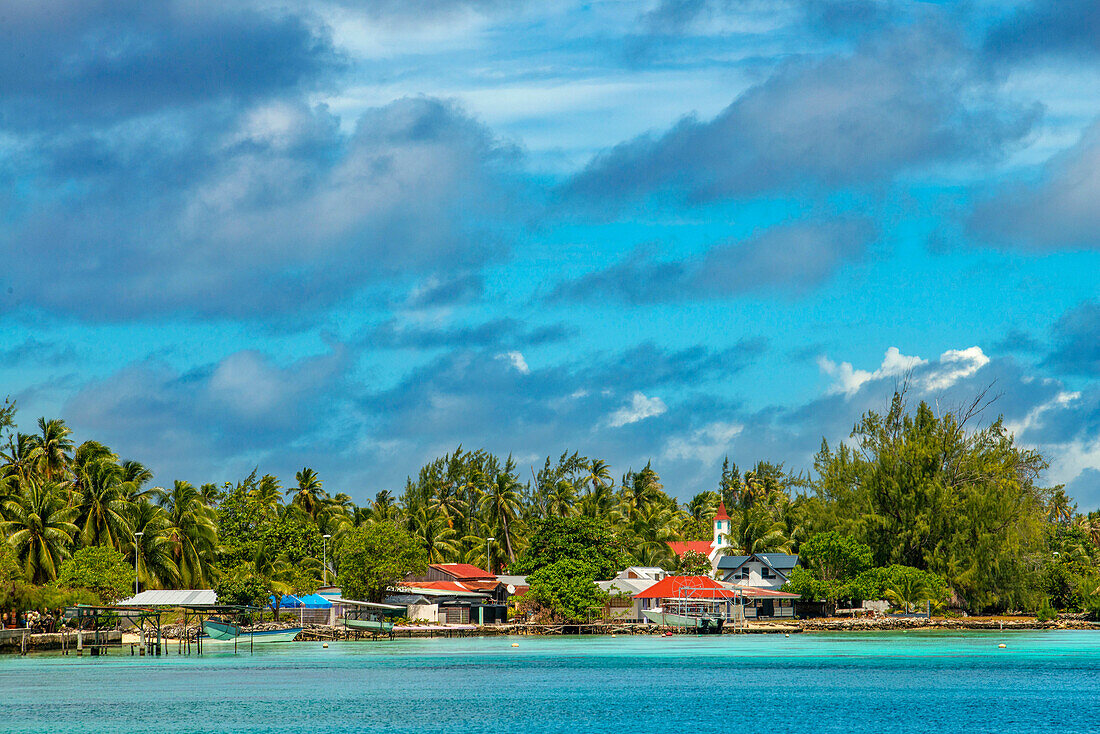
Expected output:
{"points": [[721, 527]]}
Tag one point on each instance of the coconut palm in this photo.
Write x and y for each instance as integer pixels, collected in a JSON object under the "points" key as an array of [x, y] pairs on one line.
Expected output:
{"points": [[155, 547], [102, 506], [907, 590], [437, 537], [39, 527], [192, 532], [21, 457], [55, 447], [563, 497], [135, 478], [501, 506], [308, 494], [267, 494]]}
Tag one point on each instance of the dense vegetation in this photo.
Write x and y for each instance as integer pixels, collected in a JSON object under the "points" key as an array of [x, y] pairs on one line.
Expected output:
{"points": [[915, 506]]}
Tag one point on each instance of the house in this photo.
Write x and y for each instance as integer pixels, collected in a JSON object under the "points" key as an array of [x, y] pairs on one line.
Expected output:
{"points": [[622, 604], [712, 549], [470, 576], [455, 602], [760, 570], [761, 575]]}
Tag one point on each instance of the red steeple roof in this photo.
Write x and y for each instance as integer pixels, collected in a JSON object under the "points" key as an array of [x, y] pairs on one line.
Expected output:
{"points": [[722, 512]]}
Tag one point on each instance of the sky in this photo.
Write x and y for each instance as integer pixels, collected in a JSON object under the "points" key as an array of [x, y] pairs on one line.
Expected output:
{"points": [[355, 235]]}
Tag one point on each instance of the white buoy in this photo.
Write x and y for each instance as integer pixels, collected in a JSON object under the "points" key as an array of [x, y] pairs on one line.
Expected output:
{"points": [[1002, 645], [515, 644], [786, 634], [325, 644]]}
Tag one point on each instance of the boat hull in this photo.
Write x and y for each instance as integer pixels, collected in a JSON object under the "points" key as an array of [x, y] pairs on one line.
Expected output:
{"points": [[370, 625], [216, 633], [702, 624]]}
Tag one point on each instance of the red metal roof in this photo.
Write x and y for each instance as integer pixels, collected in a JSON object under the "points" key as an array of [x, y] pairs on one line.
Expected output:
{"points": [[463, 570], [722, 512], [438, 585], [691, 587], [680, 547]]}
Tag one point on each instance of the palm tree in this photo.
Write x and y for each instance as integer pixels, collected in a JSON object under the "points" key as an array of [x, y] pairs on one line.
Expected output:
{"points": [[562, 498], [384, 507], [21, 460], [268, 494], [55, 446], [438, 537], [909, 589], [501, 506], [308, 494], [102, 507], [155, 547], [135, 476], [39, 527], [192, 532]]}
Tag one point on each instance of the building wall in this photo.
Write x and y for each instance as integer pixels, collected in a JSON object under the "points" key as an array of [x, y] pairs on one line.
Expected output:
{"points": [[756, 576]]}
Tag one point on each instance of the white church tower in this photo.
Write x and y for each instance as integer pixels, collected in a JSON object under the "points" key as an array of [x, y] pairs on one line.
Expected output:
{"points": [[721, 531]]}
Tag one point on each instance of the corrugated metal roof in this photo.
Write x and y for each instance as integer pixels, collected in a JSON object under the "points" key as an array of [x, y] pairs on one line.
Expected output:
{"points": [[172, 598], [680, 547], [732, 561], [630, 586], [780, 561]]}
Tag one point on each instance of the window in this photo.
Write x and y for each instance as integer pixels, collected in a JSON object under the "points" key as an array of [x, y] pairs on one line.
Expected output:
{"points": [[767, 573]]}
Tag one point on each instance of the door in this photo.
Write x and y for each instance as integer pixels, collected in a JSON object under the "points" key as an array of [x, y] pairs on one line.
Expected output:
{"points": [[767, 607]]}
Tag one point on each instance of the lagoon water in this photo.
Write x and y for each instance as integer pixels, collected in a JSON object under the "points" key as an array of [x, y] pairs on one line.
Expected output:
{"points": [[821, 683]]}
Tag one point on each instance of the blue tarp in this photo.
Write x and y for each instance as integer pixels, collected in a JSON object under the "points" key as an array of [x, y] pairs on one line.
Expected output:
{"points": [[289, 601], [315, 601]]}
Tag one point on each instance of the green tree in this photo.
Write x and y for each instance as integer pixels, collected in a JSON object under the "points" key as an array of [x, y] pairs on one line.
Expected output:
{"points": [[40, 528], [832, 556], [192, 532], [694, 563], [374, 558], [241, 586], [99, 569], [566, 589], [572, 538]]}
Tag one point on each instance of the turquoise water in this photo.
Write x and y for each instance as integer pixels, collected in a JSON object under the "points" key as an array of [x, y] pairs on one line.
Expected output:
{"points": [[882, 683]]}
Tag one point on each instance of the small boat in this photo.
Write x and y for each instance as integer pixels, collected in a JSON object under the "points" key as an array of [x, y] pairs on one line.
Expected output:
{"points": [[218, 632], [704, 624], [378, 626]]}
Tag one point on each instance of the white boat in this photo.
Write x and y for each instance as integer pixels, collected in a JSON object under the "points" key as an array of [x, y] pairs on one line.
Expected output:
{"points": [[703, 623], [225, 633]]}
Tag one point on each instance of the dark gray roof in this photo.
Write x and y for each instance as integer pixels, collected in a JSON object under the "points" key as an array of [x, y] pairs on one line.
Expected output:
{"points": [[778, 561], [732, 561]]}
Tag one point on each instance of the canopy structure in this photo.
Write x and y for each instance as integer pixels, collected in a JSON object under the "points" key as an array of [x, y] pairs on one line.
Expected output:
{"points": [[287, 601], [315, 601], [172, 598]]}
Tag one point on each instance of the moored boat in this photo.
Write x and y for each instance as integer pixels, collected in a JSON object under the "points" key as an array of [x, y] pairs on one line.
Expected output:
{"points": [[223, 632], [701, 623]]}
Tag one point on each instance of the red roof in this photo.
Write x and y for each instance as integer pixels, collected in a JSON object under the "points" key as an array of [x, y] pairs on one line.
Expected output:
{"points": [[463, 570], [722, 512], [691, 587], [680, 547], [437, 585]]}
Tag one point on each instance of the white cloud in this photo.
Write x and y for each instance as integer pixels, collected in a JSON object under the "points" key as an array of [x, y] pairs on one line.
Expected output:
{"points": [[954, 365], [639, 409], [706, 444], [848, 380], [516, 360]]}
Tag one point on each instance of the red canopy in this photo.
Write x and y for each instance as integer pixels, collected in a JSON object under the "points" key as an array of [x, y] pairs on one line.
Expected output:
{"points": [[687, 587]]}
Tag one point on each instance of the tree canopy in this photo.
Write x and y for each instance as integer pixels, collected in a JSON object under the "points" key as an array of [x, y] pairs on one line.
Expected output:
{"points": [[376, 557]]}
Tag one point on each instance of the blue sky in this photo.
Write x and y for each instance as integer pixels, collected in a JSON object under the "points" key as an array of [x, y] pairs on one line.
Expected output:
{"points": [[355, 235]]}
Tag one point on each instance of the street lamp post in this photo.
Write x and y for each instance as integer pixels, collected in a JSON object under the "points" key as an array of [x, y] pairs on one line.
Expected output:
{"points": [[324, 560], [137, 549], [488, 562]]}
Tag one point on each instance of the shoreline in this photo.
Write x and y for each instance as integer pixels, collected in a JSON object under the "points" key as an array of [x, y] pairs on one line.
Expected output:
{"points": [[11, 641]]}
